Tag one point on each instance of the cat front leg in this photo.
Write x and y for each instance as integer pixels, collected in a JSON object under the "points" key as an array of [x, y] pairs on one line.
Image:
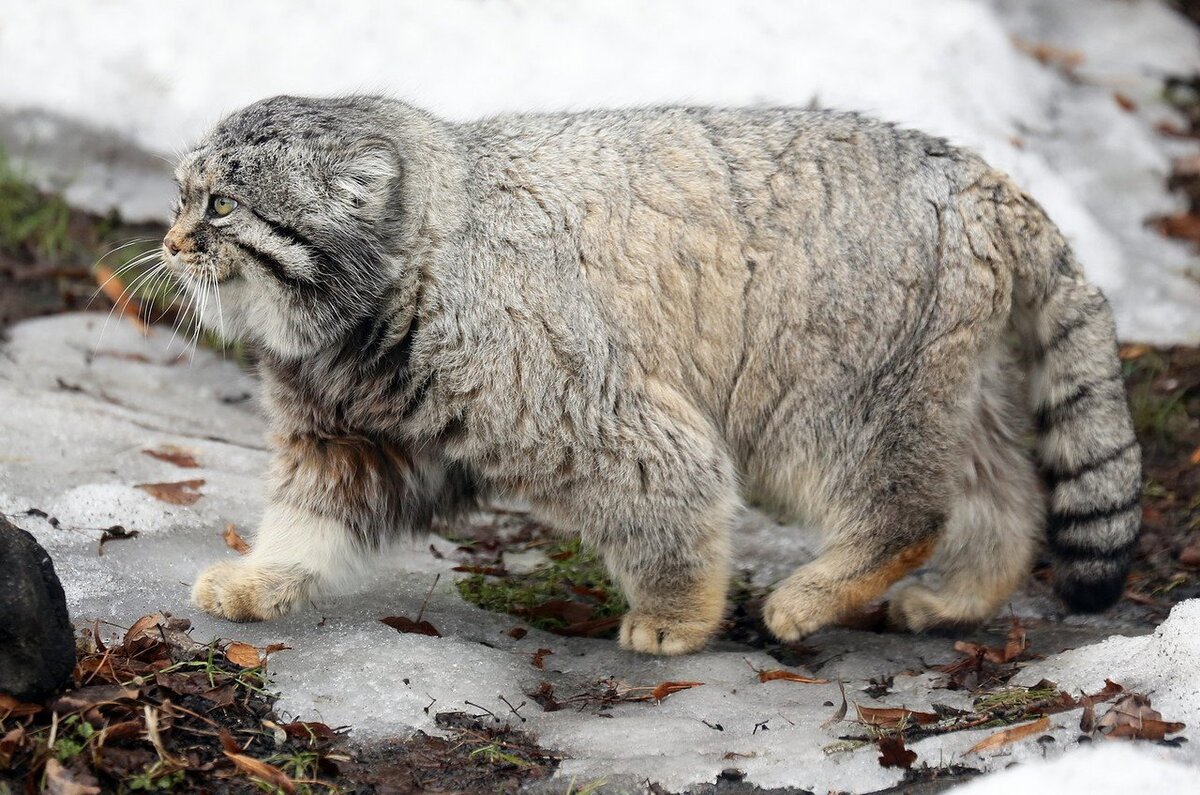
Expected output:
{"points": [[334, 499], [296, 552]]}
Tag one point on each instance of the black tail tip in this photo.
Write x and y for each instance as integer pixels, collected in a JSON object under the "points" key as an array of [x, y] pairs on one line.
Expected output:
{"points": [[1090, 596]]}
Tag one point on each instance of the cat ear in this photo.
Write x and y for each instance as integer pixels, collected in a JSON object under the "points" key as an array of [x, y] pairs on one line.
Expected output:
{"points": [[366, 177]]}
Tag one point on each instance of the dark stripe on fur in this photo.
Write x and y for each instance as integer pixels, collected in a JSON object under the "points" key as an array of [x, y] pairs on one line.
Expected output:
{"points": [[288, 233], [1064, 332], [1054, 475], [1061, 520], [1077, 552], [1049, 417], [273, 266]]}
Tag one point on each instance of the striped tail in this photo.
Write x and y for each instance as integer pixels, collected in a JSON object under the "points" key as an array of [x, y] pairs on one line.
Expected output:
{"points": [[1086, 447]]}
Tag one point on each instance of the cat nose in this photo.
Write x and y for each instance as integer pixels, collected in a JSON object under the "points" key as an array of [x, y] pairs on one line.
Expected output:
{"points": [[177, 241]]}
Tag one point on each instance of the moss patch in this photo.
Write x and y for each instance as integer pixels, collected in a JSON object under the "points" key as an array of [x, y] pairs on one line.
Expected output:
{"points": [[569, 593]]}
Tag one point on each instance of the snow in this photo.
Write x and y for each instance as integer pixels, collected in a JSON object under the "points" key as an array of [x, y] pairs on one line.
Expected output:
{"points": [[75, 422], [1109, 769], [105, 94], [1165, 664], [109, 92]]}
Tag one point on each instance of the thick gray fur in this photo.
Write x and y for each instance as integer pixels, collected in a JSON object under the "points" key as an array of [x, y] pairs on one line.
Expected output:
{"points": [[640, 321]]}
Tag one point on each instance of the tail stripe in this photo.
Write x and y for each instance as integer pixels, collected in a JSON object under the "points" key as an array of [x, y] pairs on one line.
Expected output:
{"points": [[1065, 331], [1054, 475], [1064, 520], [1069, 552], [1051, 416]]}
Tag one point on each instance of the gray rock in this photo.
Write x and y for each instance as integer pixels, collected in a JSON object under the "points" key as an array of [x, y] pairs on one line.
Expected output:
{"points": [[37, 642]]}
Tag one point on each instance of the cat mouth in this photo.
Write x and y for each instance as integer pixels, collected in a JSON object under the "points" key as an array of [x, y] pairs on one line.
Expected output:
{"points": [[190, 270]]}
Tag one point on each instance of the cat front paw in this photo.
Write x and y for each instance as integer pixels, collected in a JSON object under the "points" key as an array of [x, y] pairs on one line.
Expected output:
{"points": [[651, 633], [242, 591], [791, 614]]}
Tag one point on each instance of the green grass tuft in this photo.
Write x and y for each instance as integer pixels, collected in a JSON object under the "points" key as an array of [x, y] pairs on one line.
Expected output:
{"points": [[569, 566], [33, 224]]}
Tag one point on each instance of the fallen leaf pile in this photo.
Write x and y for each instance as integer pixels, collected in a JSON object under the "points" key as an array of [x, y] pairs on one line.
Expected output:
{"points": [[986, 666], [1024, 711], [1131, 717], [157, 709]]}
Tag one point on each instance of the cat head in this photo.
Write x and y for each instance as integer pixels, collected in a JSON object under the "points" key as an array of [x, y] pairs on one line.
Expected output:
{"points": [[289, 219]]}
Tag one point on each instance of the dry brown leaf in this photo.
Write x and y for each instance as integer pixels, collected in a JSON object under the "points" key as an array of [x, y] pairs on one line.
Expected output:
{"points": [[892, 753], [9, 744], [1129, 353], [172, 454], [256, 768], [11, 708], [893, 717], [91, 696], [234, 540], [62, 781], [1050, 55], [586, 629], [539, 658], [243, 655], [1183, 225], [665, 689], [789, 676], [1087, 721], [840, 713], [308, 730], [182, 492], [407, 625], [1133, 717], [1109, 690], [1016, 643], [146, 626], [1000, 739], [1194, 458], [1124, 103]]}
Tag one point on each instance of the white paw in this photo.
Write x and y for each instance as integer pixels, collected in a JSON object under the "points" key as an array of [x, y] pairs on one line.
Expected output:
{"points": [[242, 591]]}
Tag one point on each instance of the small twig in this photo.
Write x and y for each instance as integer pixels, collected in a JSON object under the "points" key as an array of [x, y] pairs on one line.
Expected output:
{"points": [[513, 709], [430, 705], [485, 709], [421, 612]]}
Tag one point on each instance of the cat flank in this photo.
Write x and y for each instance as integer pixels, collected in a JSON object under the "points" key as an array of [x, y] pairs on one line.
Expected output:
{"points": [[640, 322]]}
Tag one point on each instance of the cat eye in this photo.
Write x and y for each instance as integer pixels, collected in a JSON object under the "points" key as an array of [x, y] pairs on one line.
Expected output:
{"points": [[223, 205]]}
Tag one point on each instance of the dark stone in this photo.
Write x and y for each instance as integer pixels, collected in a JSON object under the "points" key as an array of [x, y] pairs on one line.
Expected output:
{"points": [[37, 641]]}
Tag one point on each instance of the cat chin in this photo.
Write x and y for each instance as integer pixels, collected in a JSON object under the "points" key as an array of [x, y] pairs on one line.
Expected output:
{"points": [[248, 313]]}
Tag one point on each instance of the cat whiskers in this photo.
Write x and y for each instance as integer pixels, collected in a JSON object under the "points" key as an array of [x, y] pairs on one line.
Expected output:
{"points": [[129, 291]]}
